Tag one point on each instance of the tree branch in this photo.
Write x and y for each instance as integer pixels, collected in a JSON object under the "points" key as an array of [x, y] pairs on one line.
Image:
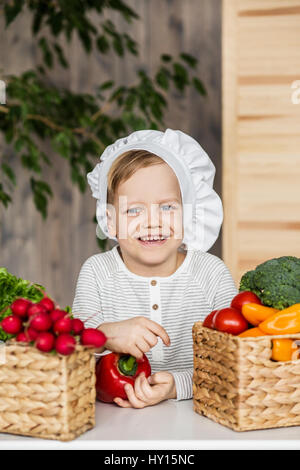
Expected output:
{"points": [[56, 127]]}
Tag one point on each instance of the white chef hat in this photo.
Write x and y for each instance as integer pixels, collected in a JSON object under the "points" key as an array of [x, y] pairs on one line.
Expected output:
{"points": [[202, 207]]}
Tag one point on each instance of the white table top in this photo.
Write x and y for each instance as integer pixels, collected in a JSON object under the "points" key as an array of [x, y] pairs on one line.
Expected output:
{"points": [[167, 425]]}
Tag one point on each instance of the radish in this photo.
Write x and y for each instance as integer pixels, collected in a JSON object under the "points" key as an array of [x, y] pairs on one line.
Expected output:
{"points": [[31, 333], [40, 321], [11, 324], [56, 314], [93, 337], [63, 325], [47, 303], [77, 326], [65, 344], [36, 308], [20, 306], [45, 341], [23, 337]]}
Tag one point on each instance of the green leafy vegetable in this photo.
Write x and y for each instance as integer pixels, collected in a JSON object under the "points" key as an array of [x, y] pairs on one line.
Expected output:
{"points": [[12, 287]]}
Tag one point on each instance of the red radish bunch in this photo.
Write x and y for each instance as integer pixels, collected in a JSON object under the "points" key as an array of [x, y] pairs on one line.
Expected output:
{"points": [[48, 327]]}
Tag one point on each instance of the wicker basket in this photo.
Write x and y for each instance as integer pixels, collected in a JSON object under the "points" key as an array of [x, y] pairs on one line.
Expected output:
{"points": [[235, 383], [44, 395]]}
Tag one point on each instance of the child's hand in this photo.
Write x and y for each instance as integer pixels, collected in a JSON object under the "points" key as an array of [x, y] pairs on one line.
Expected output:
{"points": [[143, 394], [135, 336]]}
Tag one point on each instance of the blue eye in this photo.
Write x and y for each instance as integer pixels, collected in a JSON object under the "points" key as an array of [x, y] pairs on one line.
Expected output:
{"points": [[129, 211], [132, 209]]}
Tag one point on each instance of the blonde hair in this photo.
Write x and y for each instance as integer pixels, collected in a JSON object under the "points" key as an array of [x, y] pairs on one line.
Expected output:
{"points": [[125, 166]]}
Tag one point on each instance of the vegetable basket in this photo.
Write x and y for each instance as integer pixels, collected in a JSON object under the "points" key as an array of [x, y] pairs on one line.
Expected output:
{"points": [[235, 383], [45, 395]]}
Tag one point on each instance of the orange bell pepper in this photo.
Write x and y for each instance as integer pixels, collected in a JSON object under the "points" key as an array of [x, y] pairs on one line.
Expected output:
{"points": [[284, 350], [256, 313], [252, 332], [286, 321]]}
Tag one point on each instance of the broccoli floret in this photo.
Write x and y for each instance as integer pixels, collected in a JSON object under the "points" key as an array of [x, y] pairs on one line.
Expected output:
{"points": [[276, 282]]}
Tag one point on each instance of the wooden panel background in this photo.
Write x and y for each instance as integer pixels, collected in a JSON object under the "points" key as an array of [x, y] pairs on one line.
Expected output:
{"points": [[51, 252], [261, 131]]}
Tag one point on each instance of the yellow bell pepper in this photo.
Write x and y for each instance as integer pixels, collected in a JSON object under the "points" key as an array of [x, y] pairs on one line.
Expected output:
{"points": [[285, 321], [251, 333], [256, 313], [284, 350]]}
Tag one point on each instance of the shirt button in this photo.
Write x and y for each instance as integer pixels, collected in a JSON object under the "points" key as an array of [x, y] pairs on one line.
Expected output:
{"points": [[155, 306], [153, 283]]}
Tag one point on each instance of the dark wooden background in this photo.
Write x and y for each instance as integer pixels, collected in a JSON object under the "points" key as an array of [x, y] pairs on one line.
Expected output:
{"points": [[51, 252]]}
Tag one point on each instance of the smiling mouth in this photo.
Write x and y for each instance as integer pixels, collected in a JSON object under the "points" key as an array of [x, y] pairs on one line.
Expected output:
{"points": [[158, 242]]}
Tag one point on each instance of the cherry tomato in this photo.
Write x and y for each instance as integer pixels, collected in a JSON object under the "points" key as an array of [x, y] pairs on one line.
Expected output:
{"points": [[230, 320], [209, 320], [242, 298]]}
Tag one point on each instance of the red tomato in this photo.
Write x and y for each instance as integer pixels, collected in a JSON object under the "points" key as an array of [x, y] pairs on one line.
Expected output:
{"points": [[209, 320], [230, 320], [242, 298]]}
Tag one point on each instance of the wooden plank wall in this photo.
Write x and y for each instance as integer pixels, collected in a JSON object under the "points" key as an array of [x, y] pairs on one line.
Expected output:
{"points": [[53, 251], [261, 131]]}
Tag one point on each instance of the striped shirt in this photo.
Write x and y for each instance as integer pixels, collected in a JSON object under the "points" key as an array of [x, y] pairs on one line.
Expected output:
{"points": [[107, 291]]}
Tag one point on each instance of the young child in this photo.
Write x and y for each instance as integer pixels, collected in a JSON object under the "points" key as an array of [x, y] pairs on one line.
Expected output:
{"points": [[146, 295]]}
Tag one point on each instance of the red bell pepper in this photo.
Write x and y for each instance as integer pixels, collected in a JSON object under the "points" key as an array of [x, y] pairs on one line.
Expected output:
{"points": [[114, 371]]}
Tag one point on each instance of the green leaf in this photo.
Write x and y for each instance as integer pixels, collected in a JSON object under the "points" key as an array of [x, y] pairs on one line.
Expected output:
{"points": [[86, 40], [12, 9], [134, 121], [56, 22], [107, 84], [109, 27], [4, 197], [15, 111], [20, 142], [166, 57], [124, 9], [61, 143], [131, 45], [41, 69], [46, 159], [24, 110], [117, 93], [199, 86], [37, 21], [9, 135], [42, 186], [156, 111], [118, 45], [153, 125], [47, 54], [9, 172], [180, 77], [130, 100], [190, 60], [30, 161], [102, 44], [60, 55], [162, 79], [40, 200]]}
